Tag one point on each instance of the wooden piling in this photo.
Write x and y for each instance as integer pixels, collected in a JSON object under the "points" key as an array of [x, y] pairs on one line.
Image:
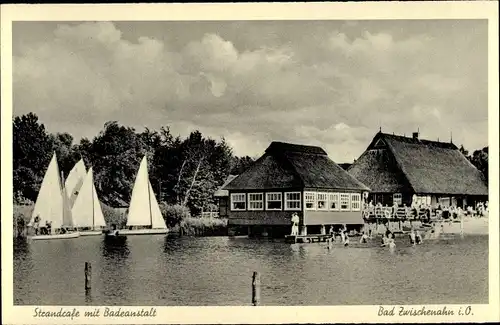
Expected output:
{"points": [[255, 288], [88, 275]]}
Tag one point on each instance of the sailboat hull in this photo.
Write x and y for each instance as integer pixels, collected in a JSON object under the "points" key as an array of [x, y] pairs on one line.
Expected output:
{"points": [[57, 236], [128, 232], [91, 233]]}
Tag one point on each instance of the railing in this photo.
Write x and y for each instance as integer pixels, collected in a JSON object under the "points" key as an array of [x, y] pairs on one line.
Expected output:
{"points": [[408, 213], [400, 213], [213, 214]]}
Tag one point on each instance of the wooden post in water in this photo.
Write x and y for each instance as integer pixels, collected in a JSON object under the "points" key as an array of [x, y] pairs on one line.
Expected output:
{"points": [[255, 288], [88, 276]]}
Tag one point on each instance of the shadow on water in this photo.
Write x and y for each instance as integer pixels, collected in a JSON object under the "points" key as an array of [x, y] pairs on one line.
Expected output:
{"points": [[172, 244], [115, 248], [114, 271], [21, 247]]}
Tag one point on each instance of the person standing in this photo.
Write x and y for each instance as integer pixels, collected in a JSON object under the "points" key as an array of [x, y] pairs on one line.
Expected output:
{"points": [[36, 224], [295, 224]]}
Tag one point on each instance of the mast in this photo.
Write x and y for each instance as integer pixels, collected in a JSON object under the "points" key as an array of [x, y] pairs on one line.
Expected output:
{"points": [[63, 192], [149, 195], [92, 194]]}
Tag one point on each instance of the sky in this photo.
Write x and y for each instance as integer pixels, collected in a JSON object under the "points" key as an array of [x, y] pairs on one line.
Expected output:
{"points": [[332, 84]]}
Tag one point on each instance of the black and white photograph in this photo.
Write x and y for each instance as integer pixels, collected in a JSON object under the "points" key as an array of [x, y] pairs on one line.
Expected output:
{"points": [[257, 163]]}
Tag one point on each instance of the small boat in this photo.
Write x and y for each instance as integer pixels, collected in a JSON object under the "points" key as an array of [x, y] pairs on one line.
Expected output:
{"points": [[75, 181], [69, 235], [144, 210], [52, 205], [87, 212]]}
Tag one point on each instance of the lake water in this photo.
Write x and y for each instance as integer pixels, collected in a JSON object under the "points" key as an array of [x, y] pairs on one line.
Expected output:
{"points": [[168, 271]]}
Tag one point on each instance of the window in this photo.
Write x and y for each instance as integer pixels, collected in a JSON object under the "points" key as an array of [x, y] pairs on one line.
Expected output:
{"points": [[397, 198], [292, 201], [273, 201], [344, 201], [238, 202], [310, 198], [334, 201], [322, 201], [255, 201], [355, 202]]}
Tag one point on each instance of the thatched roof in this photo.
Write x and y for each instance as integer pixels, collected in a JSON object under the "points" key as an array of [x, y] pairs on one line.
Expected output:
{"points": [[378, 169], [221, 192], [345, 166], [392, 163], [285, 165]]}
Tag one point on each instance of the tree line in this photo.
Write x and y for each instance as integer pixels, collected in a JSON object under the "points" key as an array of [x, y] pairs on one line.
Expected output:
{"points": [[183, 171], [479, 158]]}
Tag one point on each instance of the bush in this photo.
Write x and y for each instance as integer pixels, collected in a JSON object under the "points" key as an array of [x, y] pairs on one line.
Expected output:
{"points": [[203, 226], [23, 212], [174, 214], [114, 216]]}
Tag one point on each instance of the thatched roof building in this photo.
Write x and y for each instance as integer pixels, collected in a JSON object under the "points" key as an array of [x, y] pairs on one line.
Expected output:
{"points": [[291, 178], [286, 165], [398, 167]]}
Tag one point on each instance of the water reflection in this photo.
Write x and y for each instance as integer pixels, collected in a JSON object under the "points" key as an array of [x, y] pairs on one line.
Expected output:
{"points": [[114, 271], [172, 244], [157, 270], [115, 248], [21, 248]]}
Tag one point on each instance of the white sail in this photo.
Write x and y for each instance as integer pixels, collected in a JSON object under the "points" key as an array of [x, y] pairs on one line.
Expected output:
{"points": [[51, 204], [87, 210], [144, 209], [156, 217], [74, 181]]}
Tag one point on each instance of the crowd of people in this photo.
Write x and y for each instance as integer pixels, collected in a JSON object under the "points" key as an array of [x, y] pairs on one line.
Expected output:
{"points": [[422, 210], [46, 229]]}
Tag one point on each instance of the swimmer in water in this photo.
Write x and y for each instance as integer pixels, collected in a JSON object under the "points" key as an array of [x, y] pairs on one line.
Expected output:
{"points": [[364, 238], [384, 240], [392, 244], [412, 237], [346, 240], [418, 238]]}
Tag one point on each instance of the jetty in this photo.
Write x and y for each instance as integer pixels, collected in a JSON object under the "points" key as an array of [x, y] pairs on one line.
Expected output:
{"points": [[307, 238]]}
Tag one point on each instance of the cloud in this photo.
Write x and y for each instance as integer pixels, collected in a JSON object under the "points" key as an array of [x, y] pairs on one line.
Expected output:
{"points": [[333, 89]]}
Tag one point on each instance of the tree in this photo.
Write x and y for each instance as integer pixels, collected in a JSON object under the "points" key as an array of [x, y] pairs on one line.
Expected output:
{"points": [[67, 154], [463, 151], [31, 154], [240, 164], [480, 159], [185, 172], [116, 152]]}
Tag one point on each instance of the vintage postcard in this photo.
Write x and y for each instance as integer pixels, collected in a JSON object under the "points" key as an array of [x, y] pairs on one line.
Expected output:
{"points": [[250, 163]]}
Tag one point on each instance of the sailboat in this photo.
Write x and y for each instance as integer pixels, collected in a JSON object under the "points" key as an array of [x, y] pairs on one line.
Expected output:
{"points": [[52, 205], [75, 181], [86, 211], [144, 210]]}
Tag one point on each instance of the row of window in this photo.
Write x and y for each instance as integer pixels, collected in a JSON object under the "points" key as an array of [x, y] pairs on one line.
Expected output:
{"points": [[313, 201]]}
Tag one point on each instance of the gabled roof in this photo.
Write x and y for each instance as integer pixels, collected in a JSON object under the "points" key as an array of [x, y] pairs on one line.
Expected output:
{"points": [[429, 167], [221, 192], [378, 169], [286, 165]]}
